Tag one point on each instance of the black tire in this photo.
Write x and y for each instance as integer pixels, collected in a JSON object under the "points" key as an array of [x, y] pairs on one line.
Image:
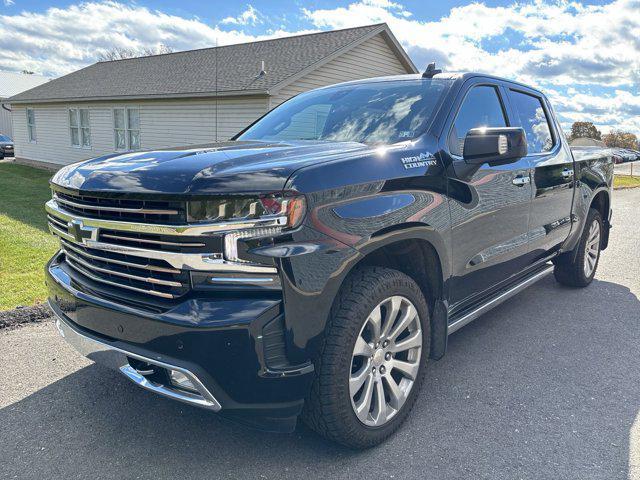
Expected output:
{"points": [[328, 409], [570, 266]]}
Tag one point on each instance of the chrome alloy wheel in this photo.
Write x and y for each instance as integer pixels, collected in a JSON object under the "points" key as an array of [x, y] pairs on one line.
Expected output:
{"points": [[592, 249], [385, 361]]}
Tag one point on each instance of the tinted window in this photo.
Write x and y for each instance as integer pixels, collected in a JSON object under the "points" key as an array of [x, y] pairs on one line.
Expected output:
{"points": [[381, 112], [533, 119], [480, 108], [4, 138]]}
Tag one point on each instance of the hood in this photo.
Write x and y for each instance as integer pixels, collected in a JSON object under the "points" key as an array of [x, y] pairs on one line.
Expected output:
{"points": [[229, 167]]}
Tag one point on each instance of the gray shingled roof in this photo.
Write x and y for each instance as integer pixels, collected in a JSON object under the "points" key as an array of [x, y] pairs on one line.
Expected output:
{"points": [[193, 72]]}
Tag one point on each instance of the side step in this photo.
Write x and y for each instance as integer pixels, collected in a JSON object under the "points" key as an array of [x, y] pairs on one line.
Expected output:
{"points": [[469, 317]]}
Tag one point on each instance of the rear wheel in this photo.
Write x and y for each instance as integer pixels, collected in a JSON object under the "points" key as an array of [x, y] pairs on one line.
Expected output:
{"points": [[371, 366], [577, 268]]}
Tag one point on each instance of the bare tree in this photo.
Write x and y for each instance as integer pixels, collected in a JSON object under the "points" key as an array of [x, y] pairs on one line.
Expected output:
{"points": [[119, 53], [159, 50]]}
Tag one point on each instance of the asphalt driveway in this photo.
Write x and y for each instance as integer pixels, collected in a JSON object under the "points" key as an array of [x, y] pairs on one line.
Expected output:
{"points": [[545, 386]]}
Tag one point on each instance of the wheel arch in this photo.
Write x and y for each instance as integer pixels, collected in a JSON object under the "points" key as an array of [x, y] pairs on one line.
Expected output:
{"points": [[406, 248], [601, 201]]}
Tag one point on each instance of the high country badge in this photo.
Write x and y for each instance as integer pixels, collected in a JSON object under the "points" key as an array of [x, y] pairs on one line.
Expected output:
{"points": [[416, 161]]}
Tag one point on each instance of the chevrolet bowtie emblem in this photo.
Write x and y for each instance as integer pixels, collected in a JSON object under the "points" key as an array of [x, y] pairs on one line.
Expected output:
{"points": [[80, 232]]}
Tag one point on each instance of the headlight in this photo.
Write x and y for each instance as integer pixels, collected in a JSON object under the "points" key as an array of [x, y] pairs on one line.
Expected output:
{"points": [[229, 209], [287, 211]]}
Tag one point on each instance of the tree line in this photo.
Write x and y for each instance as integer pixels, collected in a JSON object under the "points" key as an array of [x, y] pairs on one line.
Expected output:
{"points": [[613, 139]]}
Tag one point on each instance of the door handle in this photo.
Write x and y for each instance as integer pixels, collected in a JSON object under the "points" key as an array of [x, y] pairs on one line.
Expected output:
{"points": [[567, 173], [521, 181]]}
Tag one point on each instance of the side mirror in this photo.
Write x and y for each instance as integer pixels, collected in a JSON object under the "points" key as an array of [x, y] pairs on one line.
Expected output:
{"points": [[494, 145]]}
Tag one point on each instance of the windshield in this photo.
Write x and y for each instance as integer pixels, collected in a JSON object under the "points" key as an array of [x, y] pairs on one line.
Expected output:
{"points": [[380, 112], [4, 138]]}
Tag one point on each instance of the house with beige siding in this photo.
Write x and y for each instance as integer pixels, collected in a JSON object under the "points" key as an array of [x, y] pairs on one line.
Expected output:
{"points": [[193, 97]]}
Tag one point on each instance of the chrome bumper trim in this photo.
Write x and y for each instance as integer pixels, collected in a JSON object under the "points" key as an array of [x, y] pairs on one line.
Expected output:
{"points": [[195, 229], [116, 359]]}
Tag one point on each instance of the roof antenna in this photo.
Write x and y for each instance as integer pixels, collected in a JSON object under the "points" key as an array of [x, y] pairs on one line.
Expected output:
{"points": [[431, 71], [262, 70]]}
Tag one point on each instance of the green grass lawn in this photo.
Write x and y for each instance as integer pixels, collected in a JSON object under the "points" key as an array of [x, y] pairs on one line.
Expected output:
{"points": [[25, 241], [626, 181]]}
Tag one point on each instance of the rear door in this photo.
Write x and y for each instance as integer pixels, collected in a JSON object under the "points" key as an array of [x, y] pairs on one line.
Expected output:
{"points": [[552, 179], [489, 204]]}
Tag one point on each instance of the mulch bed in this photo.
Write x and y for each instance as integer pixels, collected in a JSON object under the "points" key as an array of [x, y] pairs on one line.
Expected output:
{"points": [[24, 315]]}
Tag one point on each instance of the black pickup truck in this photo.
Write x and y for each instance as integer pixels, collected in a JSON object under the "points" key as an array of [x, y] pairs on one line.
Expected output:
{"points": [[313, 265]]}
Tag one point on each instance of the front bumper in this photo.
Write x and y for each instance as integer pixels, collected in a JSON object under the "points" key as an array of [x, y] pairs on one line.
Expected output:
{"points": [[218, 343], [120, 360]]}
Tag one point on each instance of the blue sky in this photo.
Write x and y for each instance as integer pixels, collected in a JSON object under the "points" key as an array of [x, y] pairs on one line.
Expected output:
{"points": [[584, 54]]}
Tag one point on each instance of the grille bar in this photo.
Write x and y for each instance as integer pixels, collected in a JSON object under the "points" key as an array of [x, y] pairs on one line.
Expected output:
{"points": [[88, 206], [95, 278], [156, 281], [61, 233], [57, 222], [153, 242], [145, 266]]}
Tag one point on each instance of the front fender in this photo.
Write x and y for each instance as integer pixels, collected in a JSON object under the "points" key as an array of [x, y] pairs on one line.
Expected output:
{"points": [[346, 226]]}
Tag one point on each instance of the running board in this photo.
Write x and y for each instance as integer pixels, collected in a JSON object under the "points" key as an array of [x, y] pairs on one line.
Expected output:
{"points": [[497, 300]]}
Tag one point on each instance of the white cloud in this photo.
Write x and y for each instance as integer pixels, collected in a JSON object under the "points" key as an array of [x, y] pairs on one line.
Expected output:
{"points": [[566, 42], [566, 48], [61, 40], [250, 16], [8, 3], [552, 45]]}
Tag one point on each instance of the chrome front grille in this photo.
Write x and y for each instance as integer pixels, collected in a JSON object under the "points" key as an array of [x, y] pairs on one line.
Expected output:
{"points": [[133, 210], [145, 259], [123, 271]]}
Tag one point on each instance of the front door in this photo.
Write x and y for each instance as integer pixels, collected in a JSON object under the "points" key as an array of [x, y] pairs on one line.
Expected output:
{"points": [[489, 204]]}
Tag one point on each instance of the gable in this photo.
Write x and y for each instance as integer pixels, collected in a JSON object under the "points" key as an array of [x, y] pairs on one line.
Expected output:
{"points": [[372, 58]]}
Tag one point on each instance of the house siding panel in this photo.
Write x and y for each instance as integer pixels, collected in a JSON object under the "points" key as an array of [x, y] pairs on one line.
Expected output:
{"points": [[163, 124], [372, 58]]}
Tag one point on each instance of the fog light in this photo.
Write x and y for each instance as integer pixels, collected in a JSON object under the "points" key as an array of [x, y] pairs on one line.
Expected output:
{"points": [[180, 380]]}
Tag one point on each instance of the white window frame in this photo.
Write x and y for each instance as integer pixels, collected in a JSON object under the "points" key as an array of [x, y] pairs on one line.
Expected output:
{"points": [[127, 129], [76, 112], [31, 127]]}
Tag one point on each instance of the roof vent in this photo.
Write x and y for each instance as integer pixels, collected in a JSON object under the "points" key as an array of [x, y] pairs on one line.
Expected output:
{"points": [[431, 71], [262, 69]]}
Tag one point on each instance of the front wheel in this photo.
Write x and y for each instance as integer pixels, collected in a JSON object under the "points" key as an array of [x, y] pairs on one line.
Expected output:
{"points": [[577, 268], [371, 366]]}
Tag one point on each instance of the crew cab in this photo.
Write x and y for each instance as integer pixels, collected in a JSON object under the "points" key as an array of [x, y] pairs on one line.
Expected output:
{"points": [[314, 264]]}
